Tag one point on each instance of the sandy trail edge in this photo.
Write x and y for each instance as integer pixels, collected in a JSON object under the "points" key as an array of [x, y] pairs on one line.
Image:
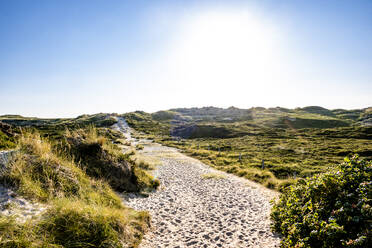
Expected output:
{"points": [[10, 203], [191, 211]]}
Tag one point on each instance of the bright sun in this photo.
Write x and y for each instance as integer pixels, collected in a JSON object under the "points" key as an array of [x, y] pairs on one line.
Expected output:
{"points": [[225, 47]]}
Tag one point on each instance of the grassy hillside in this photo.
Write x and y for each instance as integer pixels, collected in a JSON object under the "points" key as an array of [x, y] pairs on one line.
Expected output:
{"points": [[234, 122], [73, 173], [54, 128], [270, 117], [271, 146]]}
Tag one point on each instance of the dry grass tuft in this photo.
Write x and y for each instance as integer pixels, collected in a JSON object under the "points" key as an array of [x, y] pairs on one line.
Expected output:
{"points": [[213, 176]]}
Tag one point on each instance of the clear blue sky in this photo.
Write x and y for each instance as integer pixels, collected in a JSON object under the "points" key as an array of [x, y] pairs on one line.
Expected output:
{"points": [[65, 58]]}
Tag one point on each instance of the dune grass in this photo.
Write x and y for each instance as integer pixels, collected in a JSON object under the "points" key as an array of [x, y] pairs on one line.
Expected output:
{"points": [[75, 224], [142, 168], [93, 225], [82, 211], [100, 158], [285, 157], [6, 142], [273, 147]]}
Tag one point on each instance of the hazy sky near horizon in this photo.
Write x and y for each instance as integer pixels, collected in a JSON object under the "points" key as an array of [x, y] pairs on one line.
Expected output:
{"points": [[66, 58]]}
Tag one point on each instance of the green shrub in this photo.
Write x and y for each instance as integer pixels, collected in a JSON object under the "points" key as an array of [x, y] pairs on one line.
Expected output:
{"points": [[329, 210]]}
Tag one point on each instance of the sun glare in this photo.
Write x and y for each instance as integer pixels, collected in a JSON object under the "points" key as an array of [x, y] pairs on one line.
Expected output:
{"points": [[225, 47]]}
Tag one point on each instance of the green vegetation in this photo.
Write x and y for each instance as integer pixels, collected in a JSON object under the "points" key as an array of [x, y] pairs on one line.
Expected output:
{"points": [[329, 210], [7, 140], [145, 123], [55, 128], [142, 165], [165, 115], [273, 146], [101, 158], [72, 167], [38, 173], [72, 172], [98, 120], [178, 122], [73, 224]]}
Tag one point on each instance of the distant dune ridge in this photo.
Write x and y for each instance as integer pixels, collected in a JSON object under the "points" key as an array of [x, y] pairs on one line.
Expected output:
{"points": [[235, 122], [294, 143]]}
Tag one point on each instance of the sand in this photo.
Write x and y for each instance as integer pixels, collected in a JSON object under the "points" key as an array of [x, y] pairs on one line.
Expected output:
{"points": [[197, 206]]}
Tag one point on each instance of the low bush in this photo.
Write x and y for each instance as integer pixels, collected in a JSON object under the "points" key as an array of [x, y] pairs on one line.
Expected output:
{"points": [[328, 210]]}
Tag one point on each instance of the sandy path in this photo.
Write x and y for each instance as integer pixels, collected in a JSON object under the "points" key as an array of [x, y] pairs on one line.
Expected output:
{"points": [[191, 211]]}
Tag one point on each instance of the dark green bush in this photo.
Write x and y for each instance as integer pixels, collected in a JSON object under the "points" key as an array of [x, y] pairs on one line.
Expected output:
{"points": [[329, 210]]}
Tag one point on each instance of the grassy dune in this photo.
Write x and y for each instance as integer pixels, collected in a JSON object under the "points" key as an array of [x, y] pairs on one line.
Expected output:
{"points": [[272, 161], [73, 167], [270, 146], [55, 128], [83, 210]]}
